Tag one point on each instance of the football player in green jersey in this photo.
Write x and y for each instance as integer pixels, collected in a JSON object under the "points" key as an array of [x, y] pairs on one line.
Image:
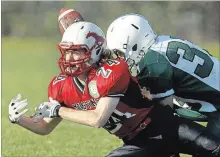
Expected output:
{"points": [[170, 66]]}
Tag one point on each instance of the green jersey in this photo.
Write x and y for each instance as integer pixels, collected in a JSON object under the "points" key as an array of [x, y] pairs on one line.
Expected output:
{"points": [[175, 66]]}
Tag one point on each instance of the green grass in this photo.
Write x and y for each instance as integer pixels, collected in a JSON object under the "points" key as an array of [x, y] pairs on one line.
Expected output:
{"points": [[28, 65]]}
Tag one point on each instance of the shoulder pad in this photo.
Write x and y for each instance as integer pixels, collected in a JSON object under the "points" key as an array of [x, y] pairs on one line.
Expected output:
{"points": [[113, 77], [54, 87]]}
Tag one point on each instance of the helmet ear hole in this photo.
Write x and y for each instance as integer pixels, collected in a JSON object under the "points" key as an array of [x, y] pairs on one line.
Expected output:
{"points": [[134, 48]]}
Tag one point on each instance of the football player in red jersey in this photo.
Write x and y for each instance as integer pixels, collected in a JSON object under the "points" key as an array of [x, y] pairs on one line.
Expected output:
{"points": [[104, 94]]}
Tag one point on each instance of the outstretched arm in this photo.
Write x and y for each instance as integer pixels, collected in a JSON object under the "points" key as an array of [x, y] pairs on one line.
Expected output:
{"points": [[16, 116], [42, 127], [95, 118]]}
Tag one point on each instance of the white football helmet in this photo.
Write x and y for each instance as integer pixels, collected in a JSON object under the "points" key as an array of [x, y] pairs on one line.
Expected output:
{"points": [[84, 36], [132, 35]]}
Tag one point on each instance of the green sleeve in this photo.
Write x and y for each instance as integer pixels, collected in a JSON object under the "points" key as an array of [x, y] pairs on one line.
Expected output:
{"points": [[156, 74]]}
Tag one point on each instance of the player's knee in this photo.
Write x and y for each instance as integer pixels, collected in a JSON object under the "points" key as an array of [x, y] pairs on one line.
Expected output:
{"points": [[207, 145], [216, 152]]}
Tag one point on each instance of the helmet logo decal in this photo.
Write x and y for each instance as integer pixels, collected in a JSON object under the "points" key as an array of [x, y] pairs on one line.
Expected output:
{"points": [[99, 40]]}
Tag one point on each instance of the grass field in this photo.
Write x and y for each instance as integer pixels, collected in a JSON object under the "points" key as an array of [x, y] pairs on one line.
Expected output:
{"points": [[27, 67]]}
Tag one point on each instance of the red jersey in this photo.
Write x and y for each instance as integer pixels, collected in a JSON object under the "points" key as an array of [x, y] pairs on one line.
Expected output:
{"points": [[111, 79]]}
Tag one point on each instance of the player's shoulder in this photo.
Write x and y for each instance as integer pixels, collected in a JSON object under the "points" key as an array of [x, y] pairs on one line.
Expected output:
{"points": [[155, 55], [113, 68], [167, 39], [55, 85], [57, 81], [116, 64], [162, 43], [112, 73]]}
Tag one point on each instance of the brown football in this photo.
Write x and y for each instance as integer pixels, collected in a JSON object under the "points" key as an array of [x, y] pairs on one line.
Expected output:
{"points": [[67, 17]]}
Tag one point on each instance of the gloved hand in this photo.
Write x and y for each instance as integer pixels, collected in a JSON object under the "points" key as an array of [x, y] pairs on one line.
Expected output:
{"points": [[15, 107], [48, 109]]}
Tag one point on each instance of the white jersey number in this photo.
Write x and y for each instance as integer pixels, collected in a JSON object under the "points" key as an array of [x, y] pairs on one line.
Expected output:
{"points": [[204, 63]]}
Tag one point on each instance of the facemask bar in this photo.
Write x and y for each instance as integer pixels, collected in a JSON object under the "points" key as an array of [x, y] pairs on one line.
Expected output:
{"points": [[74, 67]]}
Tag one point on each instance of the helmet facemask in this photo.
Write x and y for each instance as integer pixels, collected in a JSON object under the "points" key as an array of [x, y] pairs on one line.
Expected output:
{"points": [[133, 58], [73, 67], [133, 55], [80, 47]]}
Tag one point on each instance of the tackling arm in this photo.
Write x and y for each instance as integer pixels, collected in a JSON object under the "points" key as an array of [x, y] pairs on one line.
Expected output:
{"points": [[156, 73]]}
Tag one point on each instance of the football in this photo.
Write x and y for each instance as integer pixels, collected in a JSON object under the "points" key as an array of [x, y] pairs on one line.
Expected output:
{"points": [[67, 17]]}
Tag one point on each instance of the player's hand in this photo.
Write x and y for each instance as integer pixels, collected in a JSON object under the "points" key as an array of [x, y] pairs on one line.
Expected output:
{"points": [[48, 109], [15, 107], [146, 93]]}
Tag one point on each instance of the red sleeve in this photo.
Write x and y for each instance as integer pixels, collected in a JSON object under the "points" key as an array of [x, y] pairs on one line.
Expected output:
{"points": [[55, 88], [117, 82]]}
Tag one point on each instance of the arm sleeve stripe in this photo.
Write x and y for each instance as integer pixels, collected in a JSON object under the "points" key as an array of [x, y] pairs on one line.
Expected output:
{"points": [[115, 95], [161, 95]]}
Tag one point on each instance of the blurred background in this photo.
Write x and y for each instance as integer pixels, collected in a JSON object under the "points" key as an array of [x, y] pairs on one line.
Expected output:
{"points": [[29, 61], [193, 20]]}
